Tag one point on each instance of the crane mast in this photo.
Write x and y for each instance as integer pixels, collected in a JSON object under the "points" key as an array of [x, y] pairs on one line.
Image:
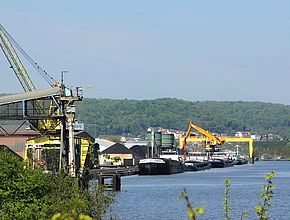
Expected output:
{"points": [[15, 62]]}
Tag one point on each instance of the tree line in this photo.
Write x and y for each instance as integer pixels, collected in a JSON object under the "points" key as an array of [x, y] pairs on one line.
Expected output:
{"points": [[123, 116]]}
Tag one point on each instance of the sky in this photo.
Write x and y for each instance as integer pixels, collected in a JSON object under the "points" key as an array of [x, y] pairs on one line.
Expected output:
{"points": [[193, 50]]}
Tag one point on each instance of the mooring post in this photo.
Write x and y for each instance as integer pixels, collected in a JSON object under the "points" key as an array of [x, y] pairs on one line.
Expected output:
{"points": [[101, 180], [114, 185], [117, 182]]}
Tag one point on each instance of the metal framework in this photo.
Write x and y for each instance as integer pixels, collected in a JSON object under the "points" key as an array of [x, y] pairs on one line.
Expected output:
{"points": [[249, 140], [42, 109], [15, 62], [48, 110]]}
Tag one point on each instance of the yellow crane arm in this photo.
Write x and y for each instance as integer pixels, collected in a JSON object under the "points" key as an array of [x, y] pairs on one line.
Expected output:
{"points": [[215, 140]]}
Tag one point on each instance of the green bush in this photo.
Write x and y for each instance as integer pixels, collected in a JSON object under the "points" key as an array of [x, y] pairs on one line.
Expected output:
{"points": [[34, 194], [262, 209]]}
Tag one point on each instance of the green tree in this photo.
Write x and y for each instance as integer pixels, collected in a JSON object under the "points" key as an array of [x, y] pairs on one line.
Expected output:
{"points": [[115, 117], [116, 159]]}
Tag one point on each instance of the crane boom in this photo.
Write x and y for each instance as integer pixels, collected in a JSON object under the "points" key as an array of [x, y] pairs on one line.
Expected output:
{"points": [[15, 62], [212, 138], [208, 134], [8, 45]]}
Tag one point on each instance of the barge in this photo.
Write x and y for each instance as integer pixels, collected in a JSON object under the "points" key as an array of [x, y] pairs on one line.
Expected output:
{"points": [[160, 166]]}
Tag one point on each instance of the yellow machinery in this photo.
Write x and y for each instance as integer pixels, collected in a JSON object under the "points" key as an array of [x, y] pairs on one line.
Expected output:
{"points": [[248, 140], [6, 43], [37, 151], [212, 140], [61, 111]]}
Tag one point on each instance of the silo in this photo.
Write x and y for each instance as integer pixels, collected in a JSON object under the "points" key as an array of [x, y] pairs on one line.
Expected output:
{"points": [[167, 141], [157, 138], [154, 152]]}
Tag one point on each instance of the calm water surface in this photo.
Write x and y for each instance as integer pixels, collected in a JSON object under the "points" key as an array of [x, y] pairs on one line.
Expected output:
{"points": [[156, 197]]}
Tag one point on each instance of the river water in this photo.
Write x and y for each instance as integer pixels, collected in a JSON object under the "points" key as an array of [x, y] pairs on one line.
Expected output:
{"points": [[156, 197]]}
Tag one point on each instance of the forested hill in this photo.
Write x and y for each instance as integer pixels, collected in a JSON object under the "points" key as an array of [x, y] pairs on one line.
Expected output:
{"points": [[107, 116]]}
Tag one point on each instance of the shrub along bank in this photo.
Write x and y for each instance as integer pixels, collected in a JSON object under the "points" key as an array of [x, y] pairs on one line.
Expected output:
{"points": [[33, 194]]}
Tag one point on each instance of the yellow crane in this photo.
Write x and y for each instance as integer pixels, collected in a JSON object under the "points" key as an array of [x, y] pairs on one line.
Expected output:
{"points": [[212, 140], [7, 44], [61, 110]]}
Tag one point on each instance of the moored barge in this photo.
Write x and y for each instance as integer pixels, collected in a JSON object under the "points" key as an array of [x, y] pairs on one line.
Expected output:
{"points": [[160, 166]]}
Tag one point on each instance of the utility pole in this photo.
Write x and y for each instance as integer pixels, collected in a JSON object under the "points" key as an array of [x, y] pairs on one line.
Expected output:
{"points": [[72, 150], [68, 97], [63, 125]]}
